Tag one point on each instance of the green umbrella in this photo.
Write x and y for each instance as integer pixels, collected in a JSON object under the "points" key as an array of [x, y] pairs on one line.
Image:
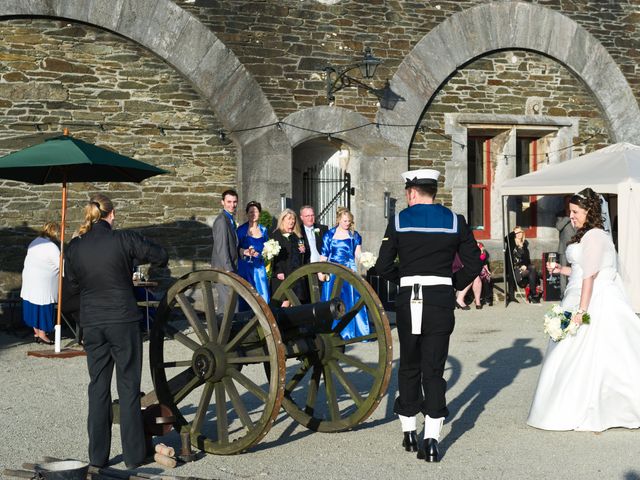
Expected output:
{"points": [[66, 159]]}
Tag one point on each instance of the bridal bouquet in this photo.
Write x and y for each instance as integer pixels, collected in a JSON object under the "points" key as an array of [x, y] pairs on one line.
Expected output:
{"points": [[270, 250], [558, 324], [367, 260]]}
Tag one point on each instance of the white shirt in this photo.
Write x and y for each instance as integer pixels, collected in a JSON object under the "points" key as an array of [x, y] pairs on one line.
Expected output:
{"points": [[311, 238], [40, 273]]}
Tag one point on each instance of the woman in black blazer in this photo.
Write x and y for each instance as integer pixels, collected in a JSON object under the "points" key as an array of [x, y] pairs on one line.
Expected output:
{"points": [[291, 255]]}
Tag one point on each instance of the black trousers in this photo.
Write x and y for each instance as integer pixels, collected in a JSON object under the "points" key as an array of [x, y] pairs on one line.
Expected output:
{"points": [[421, 387], [118, 345]]}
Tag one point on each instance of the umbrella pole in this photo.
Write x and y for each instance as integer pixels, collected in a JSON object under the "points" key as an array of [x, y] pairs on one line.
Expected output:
{"points": [[58, 327]]}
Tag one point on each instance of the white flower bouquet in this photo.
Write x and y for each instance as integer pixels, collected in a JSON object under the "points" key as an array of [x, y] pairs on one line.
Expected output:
{"points": [[368, 260], [271, 249], [558, 324]]}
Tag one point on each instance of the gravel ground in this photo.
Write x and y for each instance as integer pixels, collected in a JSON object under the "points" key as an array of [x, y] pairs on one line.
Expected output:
{"points": [[494, 363]]}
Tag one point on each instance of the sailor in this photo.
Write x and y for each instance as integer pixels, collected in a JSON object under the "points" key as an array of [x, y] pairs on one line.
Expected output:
{"points": [[425, 238]]}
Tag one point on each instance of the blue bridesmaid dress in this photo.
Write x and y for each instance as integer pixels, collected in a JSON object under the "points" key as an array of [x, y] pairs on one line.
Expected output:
{"points": [[343, 251], [254, 272]]}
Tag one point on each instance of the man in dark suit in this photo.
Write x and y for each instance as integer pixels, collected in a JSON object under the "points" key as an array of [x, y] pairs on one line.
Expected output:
{"points": [[425, 238], [225, 241], [312, 234]]}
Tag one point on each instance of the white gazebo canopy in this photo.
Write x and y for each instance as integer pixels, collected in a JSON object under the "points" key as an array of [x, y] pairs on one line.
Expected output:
{"points": [[615, 170]]}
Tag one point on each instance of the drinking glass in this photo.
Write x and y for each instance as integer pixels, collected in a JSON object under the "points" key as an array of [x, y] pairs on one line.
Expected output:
{"points": [[250, 251], [552, 259]]}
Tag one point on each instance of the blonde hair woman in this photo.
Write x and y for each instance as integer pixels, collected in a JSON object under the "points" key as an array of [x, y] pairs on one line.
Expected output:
{"points": [[524, 271], [292, 249], [39, 290], [98, 263], [342, 245]]}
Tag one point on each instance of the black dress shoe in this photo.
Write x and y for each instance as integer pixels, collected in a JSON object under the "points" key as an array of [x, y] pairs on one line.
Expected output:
{"points": [[410, 441], [463, 307], [429, 451]]}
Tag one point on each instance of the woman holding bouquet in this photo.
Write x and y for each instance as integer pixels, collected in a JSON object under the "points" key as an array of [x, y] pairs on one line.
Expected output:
{"points": [[342, 244], [591, 380], [288, 235], [251, 239]]}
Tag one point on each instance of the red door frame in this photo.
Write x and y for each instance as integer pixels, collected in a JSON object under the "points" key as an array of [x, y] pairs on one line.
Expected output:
{"points": [[486, 187]]}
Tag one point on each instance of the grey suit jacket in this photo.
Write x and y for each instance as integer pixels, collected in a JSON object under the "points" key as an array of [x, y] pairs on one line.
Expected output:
{"points": [[565, 234], [225, 244]]}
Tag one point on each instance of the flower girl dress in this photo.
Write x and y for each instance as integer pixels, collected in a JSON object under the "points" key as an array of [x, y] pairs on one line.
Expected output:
{"points": [[591, 381]]}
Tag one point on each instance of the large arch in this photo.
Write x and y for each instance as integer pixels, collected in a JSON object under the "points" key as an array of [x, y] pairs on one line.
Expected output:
{"points": [[181, 40], [496, 26]]}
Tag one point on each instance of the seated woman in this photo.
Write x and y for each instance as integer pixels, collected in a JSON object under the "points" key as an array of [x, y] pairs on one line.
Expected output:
{"points": [[39, 291], [523, 270], [481, 285]]}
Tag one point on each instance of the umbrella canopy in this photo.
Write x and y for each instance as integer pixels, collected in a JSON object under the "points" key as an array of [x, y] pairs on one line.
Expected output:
{"points": [[605, 171], [68, 159]]}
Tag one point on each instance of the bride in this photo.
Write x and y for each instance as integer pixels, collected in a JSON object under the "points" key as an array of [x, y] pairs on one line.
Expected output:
{"points": [[591, 381]]}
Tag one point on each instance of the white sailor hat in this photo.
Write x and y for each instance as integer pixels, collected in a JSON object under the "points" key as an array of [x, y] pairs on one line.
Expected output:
{"points": [[424, 176]]}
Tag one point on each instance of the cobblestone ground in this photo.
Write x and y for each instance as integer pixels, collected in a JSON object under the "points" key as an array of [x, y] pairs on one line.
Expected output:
{"points": [[494, 364]]}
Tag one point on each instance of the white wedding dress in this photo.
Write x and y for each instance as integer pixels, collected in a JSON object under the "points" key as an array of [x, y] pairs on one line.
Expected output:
{"points": [[591, 381]]}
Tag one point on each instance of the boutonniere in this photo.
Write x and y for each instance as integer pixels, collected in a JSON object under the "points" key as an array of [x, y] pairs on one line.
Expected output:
{"points": [[286, 235], [316, 230]]}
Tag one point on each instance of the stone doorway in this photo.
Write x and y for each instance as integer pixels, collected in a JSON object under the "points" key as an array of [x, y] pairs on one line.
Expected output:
{"points": [[321, 177]]}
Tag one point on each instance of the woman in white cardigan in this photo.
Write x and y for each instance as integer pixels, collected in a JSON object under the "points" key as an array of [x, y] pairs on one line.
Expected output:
{"points": [[39, 291]]}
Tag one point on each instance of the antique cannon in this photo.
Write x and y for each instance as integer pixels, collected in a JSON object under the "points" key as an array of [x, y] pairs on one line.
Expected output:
{"points": [[225, 375]]}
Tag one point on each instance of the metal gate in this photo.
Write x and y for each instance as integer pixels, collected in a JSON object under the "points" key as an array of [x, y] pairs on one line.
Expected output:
{"points": [[326, 189]]}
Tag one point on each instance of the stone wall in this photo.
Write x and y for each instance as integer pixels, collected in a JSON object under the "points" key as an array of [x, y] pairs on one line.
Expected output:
{"points": [[111, 92], [503, 83], [284, 44]]}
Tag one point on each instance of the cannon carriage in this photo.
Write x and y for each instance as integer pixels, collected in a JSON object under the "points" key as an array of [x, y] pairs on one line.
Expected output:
{"points": [[225, 375]]}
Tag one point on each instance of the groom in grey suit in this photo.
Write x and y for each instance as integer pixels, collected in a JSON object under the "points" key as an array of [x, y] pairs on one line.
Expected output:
{"points": [[225, 242]]}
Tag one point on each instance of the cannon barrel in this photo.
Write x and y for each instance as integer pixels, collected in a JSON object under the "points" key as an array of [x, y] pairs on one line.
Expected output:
{"points": [[316, 317]]}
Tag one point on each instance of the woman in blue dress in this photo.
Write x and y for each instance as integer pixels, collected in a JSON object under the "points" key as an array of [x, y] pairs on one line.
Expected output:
{"points": [[342, 244], [251, 238]]}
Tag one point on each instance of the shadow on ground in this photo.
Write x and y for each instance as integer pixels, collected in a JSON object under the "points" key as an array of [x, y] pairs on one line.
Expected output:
{"points": [[502, 367]]}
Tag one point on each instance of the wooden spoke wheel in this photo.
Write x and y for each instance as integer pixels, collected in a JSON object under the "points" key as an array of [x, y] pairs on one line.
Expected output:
{"points": [[338, 383], [207, 363]]}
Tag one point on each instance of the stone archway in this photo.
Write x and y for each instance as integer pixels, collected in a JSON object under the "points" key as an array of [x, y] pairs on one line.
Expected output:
{"points": [[496, 26], [374, 159], [192, 49]]}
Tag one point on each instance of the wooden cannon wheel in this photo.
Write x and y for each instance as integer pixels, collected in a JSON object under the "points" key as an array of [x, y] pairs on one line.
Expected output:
{"points": [[204, 362], [339, 383]]}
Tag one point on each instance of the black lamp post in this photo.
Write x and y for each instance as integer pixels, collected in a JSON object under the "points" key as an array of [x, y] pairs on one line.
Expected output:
{"points": [[337, 79]]}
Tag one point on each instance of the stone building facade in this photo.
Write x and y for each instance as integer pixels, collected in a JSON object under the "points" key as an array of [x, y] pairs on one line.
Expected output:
{"points": [[158, 79]]}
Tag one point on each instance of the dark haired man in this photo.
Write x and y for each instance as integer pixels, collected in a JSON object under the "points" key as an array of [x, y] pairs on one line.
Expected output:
{"points": [[225, 241], [425, 237]]}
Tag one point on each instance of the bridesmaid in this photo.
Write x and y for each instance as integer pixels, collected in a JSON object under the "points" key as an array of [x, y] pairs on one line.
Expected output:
{"points": [[342, 244], [251, 238]]}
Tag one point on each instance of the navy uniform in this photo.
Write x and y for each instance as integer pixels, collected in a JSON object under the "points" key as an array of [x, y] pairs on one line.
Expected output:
{"points": [[425, 238]]}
